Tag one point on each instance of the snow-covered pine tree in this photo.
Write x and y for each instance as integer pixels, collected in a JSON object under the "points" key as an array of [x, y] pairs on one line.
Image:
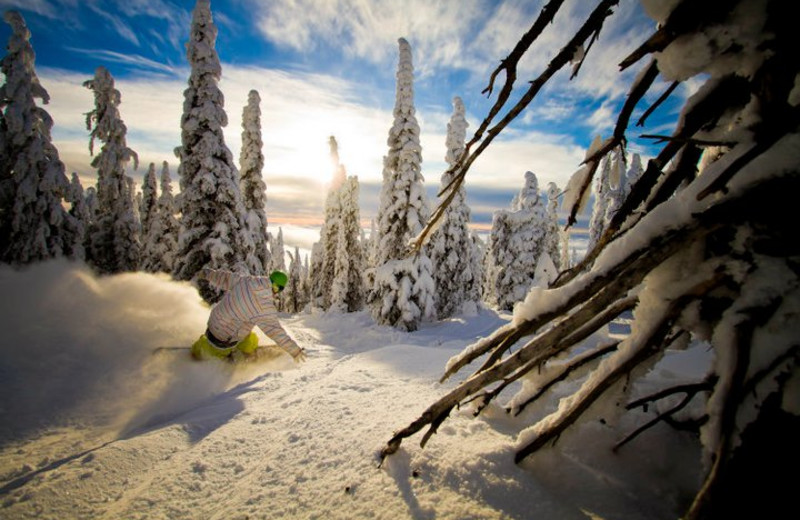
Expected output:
{"points": [[617, 186], [293, 299], [148, 215], [403, 290], [213, 230], [161, 243], [686, 252], [278, 252], [34, 225], [79, 209], [329, 233], [114, 240], [478, 261], [451, 248], [148, 202], [516, 242], [347, 289], [598, 219], [278, 261], [553, 234], [254, 190]]}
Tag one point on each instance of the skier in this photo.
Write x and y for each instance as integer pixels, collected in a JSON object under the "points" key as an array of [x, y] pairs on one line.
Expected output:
{"points": [[248, 302]]}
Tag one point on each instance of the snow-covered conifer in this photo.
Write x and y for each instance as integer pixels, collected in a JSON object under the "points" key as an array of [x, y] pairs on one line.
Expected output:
{"points": [[34, 225], [213, 228], [329, 233], [254, 194], [451, 247], [148, 215], [403, 290], [148, 205], [347, 289], [278, 261], [516, 242], [114, 240], [161, 243], [598, 218], [553, 235], [79, 209], [278, 253], [295, 296]]}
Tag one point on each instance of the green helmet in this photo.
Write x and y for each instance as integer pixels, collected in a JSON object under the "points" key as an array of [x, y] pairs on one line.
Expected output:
{"points": [[279, 278]]}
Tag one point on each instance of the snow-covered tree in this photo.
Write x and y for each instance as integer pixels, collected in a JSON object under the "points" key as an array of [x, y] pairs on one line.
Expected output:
{"points": [[517, 240], [148, 204], [329, 232], [114, 237], [451, 248], [295, 297], [213, 230], [686, 252], [148, 216], [278, 261], [34, 225], [597, 221], [347, 289], [402, 293], [254, 190], [161, 242], [278, 253], [80, 211], [553, 234]]}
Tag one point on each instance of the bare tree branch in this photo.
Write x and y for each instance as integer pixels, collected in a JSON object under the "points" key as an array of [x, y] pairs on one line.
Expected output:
{"points": [[460, 169], [690, 390], [652, 108]]}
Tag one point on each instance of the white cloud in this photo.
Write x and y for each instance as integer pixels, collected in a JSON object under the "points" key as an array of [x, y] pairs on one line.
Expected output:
{"points": [[41, 7], [122, 28], [299, 112]]}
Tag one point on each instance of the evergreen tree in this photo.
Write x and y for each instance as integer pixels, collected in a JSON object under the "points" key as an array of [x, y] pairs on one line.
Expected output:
{"points": [[79, 209], [329, 233], [617, 186], [34, 225], [148, 213], [295, 297], [553, 236], [516, 242], [213, 230], [114, 240], [598, 218], [278, 253], [148, 203], [451, 247], [162, 239], [254, 194], [278, 262], [347, 289], [403, 290]]}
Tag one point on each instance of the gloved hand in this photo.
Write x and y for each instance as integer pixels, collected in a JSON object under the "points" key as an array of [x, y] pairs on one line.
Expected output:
{"points": [[297, 353]]}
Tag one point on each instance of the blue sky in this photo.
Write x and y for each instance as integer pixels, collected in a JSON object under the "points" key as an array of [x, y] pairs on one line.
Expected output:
{"points": [[328, 68]]}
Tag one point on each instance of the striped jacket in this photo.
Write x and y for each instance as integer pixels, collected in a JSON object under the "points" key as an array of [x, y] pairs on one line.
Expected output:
{"points": [[247, 303]]}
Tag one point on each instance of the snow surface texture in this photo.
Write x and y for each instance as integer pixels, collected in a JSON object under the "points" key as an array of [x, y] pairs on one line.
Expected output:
{"points": [[97, 426]]}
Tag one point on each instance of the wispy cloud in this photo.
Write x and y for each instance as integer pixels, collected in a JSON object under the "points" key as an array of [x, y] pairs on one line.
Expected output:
{"points": [[41, 7], [122, 28], [133, 60]]}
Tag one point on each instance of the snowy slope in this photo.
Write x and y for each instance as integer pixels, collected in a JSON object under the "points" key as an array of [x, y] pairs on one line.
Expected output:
{"points": [[96, 426]]}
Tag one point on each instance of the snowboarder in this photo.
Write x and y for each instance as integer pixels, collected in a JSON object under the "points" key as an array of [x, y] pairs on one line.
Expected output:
{"points": [[247, 303]]}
